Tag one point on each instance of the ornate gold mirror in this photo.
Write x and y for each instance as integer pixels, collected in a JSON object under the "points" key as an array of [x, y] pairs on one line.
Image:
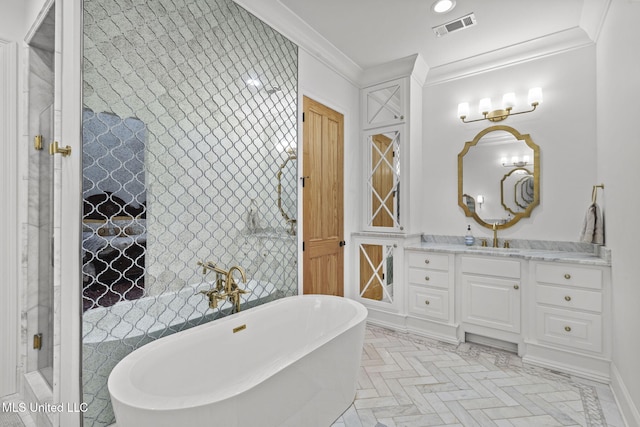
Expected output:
{"points": [[499, 177], [287, 189]]}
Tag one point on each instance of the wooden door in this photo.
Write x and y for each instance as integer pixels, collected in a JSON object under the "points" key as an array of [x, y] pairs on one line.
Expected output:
{"points": [[322, 200]]}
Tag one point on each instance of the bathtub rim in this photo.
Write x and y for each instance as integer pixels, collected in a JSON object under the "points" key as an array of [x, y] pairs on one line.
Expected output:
{"points": [[96, 329], [125, 393]]}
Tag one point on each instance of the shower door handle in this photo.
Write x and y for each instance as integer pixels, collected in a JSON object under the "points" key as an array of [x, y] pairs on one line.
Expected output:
{"points": [[54, 148]]}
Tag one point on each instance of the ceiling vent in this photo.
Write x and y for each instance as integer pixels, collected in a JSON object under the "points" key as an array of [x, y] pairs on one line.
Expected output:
{"points": [[456, 25]]}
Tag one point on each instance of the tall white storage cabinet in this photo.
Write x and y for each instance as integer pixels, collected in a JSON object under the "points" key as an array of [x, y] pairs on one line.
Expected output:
{"points": [[391, 152]]}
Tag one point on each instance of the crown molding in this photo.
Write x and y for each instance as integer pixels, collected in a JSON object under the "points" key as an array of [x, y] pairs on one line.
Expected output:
{"points": [[413, 65], [287, 23], [592, 17], [562, 41]]}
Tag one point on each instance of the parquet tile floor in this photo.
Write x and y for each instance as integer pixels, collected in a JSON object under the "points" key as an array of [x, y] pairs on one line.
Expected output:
{"points": [[410, 381]]}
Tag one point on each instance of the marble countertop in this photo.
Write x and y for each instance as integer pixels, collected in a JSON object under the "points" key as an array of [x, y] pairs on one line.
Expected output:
{"points": [[586, 258]]}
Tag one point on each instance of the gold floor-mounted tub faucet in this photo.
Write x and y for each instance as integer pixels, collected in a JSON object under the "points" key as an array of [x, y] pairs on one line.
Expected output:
{"points": [[226, 287]]}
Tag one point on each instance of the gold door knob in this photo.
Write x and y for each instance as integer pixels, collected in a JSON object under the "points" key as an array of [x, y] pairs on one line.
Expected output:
{"points": [[567, 276], [516, 287], [567, 298], [426, 261], [427, 302], [567, 328], [426, 278]]}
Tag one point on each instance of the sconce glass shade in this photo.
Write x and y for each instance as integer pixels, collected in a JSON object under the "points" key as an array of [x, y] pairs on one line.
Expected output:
{"points": [[503, 161], [480, 199], [535, 96], [525, 159], [463, 109], [485, 105], [509, 100]]}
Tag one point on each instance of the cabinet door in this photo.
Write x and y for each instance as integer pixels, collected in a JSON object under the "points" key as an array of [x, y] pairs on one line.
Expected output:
{"points": [[383, 179], [491, 302], [376, 271], [384, 104]]}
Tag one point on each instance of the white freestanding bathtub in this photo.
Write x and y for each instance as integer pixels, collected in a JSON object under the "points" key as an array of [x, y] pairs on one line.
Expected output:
{"points": [[290, 362]]}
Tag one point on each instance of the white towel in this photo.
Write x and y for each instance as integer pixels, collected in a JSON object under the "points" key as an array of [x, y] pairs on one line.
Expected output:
{"points": [[593, 227]]}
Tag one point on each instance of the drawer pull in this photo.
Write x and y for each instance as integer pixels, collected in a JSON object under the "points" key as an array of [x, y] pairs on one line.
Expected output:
{"points": [[426, 261], [516, 287], [427, 302], [567, 328], [567, 276], [567, 298], [426, 278]]}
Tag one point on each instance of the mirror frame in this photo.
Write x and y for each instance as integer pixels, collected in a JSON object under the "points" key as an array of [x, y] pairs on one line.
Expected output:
{"points": [[291, 156], [526, 138]]}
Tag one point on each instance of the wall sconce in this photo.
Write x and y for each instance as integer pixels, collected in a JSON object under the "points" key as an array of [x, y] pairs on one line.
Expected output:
{"points": [[480, 200], [508, 102], [515, 162]]}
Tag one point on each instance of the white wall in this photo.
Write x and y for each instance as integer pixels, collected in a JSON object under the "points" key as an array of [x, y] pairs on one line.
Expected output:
{"points": [[618, 86], [563, 127], [319, 82]]}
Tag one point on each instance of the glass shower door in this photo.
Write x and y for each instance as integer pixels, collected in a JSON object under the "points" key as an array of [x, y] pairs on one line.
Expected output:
{"points": [[45, 249]]}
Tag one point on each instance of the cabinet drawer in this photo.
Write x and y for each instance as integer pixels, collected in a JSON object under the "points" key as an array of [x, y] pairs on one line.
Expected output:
{"points": [[562, 274], [428, 260], [491, 267], [429, 302], [422, 276], [565, 297], [570, 328]]}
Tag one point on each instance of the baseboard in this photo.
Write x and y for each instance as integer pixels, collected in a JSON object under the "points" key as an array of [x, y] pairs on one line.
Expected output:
{"points": [[628, 409]]}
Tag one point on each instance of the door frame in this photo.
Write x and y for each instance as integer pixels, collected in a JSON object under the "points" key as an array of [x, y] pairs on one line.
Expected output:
{"points": [[68, 208], [302, 92]]}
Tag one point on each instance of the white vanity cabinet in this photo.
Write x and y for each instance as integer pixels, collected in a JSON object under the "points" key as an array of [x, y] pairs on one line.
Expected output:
{"points": [[431, 299], [490, 299], [571, 312]]}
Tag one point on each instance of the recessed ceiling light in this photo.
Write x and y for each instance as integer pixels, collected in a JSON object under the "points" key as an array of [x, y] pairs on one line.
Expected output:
{"points": [[443, 6]]}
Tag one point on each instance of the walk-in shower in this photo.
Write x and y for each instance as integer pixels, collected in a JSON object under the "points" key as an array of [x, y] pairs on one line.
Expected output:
{"points": [[39, 237], [189, 112]]}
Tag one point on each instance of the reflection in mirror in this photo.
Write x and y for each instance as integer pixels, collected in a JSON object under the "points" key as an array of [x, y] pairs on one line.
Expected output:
{"points": [[470, 202], [384, 179], [383, 104], [503, 167], [376, 272], [517, 190], [287, 190]]}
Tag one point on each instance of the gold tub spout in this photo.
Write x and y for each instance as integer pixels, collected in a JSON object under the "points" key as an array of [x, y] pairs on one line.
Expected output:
{"points": [[226, 287], [232, 290]]}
